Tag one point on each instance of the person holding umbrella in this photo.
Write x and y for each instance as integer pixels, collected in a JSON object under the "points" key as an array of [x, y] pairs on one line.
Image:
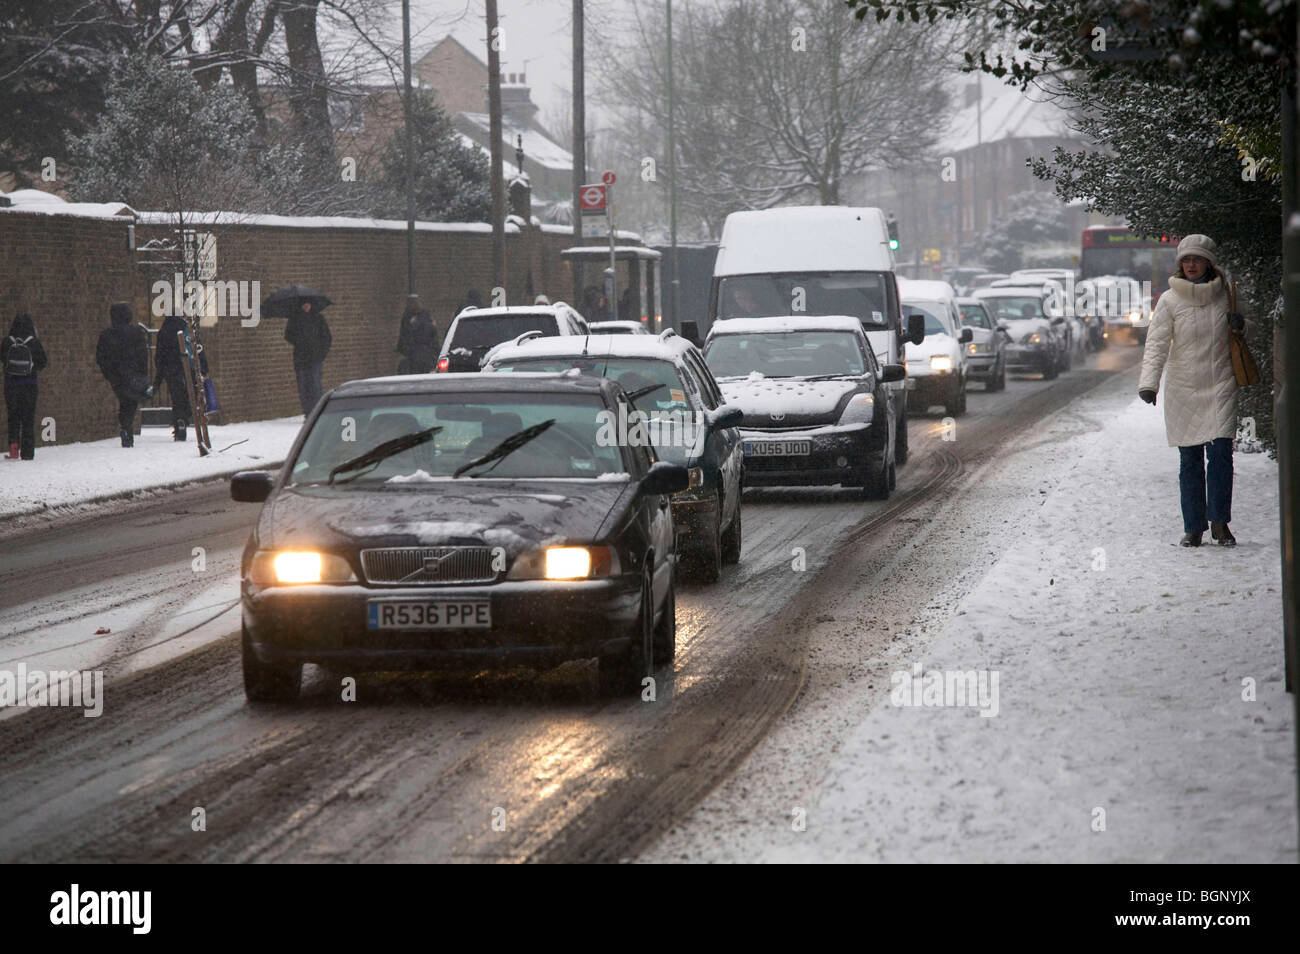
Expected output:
{"points": [[309, 335]]}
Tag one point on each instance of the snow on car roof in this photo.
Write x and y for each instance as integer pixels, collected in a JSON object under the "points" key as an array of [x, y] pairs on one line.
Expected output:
{"points": [[595, 346], [1010, 291], [470, 381], [925, 289], [784, 323], [554, 308]]}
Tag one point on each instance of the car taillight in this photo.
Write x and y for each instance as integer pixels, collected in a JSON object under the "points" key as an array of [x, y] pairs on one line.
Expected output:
{"points": [[443, 363]]}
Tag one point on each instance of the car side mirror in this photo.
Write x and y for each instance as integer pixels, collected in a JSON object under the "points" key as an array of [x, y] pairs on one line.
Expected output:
{"points": [[251, 486], [965, 336], [915, 328], [893, 372], [691, 332], [1002, 326], [726, 415], [665, 478]]}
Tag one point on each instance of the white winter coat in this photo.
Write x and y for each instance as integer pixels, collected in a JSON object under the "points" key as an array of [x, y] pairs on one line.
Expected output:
{"points": [[1188, 341]]}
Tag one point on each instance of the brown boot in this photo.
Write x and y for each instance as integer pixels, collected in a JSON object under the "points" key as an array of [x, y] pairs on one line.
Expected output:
{"points": [[1221, 533], [1191, 539]]}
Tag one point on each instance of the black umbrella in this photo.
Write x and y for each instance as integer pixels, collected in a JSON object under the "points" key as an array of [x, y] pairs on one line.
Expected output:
{"points": [[288, 300]]}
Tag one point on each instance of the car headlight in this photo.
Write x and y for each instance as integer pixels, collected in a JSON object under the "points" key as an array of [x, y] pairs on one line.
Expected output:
{"points": [[861, 409], [272, 567], [565, 563], [940, 362], [976, 347], [1134, 316], [1032, 338]]}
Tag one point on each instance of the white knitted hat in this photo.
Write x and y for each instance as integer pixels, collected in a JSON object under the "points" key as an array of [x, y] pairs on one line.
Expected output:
{"points": [[1201, 245]]}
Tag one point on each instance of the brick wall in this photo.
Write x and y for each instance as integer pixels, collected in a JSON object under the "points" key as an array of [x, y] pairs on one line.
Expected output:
{"points": [[66, 270]]}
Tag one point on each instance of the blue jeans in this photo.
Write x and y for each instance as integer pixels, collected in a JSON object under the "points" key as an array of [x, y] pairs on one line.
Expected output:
{"points": [[1202, 497], [309, 385]]}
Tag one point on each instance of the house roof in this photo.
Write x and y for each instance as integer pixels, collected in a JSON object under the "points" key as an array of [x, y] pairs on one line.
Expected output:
{"points": [[1006, 113], [537, 146]]}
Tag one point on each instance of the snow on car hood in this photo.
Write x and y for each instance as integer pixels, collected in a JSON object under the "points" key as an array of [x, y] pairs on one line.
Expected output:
{"points": [[933, 344], [467, 511], [789, 402], [1017, 328]]}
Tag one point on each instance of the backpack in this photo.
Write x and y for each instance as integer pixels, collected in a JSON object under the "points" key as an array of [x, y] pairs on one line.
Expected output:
{"points": [[20, 362]]}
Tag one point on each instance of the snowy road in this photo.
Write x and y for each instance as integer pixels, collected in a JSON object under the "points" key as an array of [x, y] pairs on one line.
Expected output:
{"points": [[502, 767]]}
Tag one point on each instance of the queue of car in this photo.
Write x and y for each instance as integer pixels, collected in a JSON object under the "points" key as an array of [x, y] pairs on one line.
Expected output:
{"points": [[535, 500]]}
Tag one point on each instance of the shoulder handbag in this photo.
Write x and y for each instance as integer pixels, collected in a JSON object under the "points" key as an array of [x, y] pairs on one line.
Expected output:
{"points": [[1243, 362]]}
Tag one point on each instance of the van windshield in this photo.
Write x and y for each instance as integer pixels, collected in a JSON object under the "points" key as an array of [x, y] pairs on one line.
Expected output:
{"points": [[860, 294]]}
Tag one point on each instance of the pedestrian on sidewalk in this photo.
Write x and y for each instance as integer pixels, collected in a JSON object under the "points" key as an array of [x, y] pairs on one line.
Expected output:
{"points": [[22, 357], [169, 366], [311, 340], [1187, 341], [417, 341], [123, 357]]}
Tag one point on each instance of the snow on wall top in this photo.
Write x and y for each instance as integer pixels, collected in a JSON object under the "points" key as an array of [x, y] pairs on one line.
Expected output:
{"points": [[231, 219], [824, 238], [34, 200]]}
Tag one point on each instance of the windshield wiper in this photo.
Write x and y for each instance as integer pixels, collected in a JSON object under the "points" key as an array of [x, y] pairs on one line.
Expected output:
{"points": [[506, 447], [828, 377], [385, 450], [642, 392]]}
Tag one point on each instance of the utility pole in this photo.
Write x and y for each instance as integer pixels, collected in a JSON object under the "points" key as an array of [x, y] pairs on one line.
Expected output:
{"points": [[672, 181], [494, 126], [579, 144], [410, 147]]}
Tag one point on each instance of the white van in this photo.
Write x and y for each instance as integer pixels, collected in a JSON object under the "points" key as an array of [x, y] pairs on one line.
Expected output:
{"points": [[817, 260]]}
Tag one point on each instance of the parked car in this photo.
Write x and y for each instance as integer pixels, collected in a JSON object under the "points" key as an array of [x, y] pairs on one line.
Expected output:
{"points": [[1036, 343], [472, 520], [617, 328], [986, 351], [817, 409], [936, 368], [475, 331], [688, 423]]}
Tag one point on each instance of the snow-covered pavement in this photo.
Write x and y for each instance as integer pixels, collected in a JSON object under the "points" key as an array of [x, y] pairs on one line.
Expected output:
{"points": [[1140, 708], [64, 477]]}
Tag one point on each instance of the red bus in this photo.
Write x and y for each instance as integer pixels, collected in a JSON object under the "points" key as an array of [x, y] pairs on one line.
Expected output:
{"points": [[1114, 250]]}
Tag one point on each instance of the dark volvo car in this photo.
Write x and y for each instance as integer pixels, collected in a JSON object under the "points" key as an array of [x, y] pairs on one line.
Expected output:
{"points": [[459, 520]]}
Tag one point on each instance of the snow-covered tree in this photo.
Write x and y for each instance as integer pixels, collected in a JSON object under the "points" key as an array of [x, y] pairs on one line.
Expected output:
{"points": [[1029, 220], [452, 178]]}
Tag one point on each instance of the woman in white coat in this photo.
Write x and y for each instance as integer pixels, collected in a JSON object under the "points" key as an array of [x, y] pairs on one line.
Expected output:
{"points": [[1187, 341]]}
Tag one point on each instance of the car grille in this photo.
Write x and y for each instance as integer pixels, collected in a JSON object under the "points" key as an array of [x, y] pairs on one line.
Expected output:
{"points": [[428, 566]]}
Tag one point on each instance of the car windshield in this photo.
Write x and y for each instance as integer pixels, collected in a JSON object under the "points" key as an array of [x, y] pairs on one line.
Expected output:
{"points": [[860, 294], [786, 354], [1016, 308], [975, 315], [672, 398], [934, 325], [485, 331], [472, 424]]}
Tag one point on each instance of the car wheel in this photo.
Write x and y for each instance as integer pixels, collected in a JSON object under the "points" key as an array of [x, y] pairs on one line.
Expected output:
{"points": [[900, 437], [267, 682], [956, 405], [1050, 370], [622, 674], [999, 381], [731, 539], [1067, 359], [878, 483], [665, 636], [1141, 334], [706, 563]]}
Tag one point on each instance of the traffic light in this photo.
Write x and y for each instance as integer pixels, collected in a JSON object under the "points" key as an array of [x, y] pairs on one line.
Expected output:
{"points": [[891, 223]]}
